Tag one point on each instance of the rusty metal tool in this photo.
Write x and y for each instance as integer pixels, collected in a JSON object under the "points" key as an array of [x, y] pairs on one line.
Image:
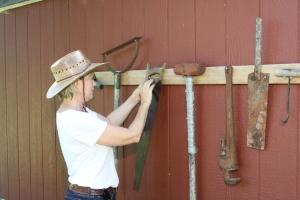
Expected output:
{"points": [[117, 77], [189, 70], [118, 73], [289, 74], [228, 158], [258, 85], [156, 74]]}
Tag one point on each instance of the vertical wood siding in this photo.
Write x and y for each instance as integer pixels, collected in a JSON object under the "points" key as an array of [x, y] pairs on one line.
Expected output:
{"points": [[216, 33], [61, 31], [23, 102]]}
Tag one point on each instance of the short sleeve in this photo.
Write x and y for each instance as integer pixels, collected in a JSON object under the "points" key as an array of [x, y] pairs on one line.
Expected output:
{"points": [[85, 127]]}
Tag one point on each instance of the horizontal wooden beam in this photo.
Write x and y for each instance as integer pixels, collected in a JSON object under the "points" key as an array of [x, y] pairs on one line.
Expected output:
{"points": [[212, 75]]}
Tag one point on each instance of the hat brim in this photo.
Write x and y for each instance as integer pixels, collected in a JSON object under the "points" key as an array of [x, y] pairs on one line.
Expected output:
{"points": [[56, 87]]}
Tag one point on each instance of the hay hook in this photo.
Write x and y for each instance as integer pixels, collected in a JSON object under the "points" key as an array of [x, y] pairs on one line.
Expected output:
{"points": [[287, 102]]}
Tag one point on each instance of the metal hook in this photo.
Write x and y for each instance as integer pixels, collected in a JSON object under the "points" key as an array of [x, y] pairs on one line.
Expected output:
{"points": [[287, 102]]}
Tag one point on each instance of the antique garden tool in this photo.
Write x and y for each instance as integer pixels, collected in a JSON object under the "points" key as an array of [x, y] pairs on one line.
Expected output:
{"points": [[289, 74], [258, 84], [156, 74], [117, 77], [189, 70], [228, 159]]}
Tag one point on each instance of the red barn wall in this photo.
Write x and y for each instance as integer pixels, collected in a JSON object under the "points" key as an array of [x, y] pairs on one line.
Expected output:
{"points": [[216, 33]]}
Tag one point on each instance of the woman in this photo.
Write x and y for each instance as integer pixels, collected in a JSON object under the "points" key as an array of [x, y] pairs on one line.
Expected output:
{"points": [[86, 137]]}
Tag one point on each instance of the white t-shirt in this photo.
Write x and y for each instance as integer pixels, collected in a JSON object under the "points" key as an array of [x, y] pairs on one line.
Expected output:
{"points": [[89, 164]]}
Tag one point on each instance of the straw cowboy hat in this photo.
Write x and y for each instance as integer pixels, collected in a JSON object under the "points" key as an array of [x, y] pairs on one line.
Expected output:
{"points": [[68, 69]]}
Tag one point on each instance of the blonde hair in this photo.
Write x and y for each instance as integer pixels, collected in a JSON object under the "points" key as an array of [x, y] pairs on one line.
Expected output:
{"points": [[71, 89], [68, 92]]}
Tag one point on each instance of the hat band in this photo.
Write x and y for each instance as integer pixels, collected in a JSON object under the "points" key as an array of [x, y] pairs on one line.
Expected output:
{"points": [[71, 76], [68, 72]]}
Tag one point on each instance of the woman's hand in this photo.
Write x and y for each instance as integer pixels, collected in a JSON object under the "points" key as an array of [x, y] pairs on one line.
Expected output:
{"points": [[143, 94], [146, 92], [135, 96], [114, 135], [143, 89]]}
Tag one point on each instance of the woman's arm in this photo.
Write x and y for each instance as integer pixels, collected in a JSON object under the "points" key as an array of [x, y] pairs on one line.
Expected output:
{"points": [[116, 135], [118, 116]]}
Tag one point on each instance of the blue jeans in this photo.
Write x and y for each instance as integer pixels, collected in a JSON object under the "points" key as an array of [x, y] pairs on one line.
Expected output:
{"points": [[76, 196]]}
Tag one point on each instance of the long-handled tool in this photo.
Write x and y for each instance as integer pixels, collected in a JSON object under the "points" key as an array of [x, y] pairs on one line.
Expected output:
{"points": [[258, 85], [228, 159], [189, 70], [117, 77], [156, 74], [289, 74]]}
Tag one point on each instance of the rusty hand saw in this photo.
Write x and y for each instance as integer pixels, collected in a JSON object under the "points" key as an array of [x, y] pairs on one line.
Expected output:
{"points": [[258, 84], [155, 73]]}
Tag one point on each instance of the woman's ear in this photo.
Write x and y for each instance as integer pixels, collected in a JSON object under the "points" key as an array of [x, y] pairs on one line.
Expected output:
{"points": [[76, 83]]}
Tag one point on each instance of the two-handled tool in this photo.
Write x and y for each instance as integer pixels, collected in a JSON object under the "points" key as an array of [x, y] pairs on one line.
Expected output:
{"points": [[228, 159], [289, 74], [189, 70], [258, 85], [117, 77], [156, 74]]}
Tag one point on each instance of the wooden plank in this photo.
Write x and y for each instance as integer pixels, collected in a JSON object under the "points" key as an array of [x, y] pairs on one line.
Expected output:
{"points": [[62, 48], [128, 153], [240, 46], [48, 106], [12, 113], [133, 19], [3, 109], [181, 23], [280, 20], [23, 102], [210, 32], [77, 13], [212, 75], [112, 37], [112, 31], [156, 51], [94, 46], [298, 139], [16, 5], [94, 31], [35, 107], [298, 117], [178, 159], [210, 99], [181, 47], [156, 179]]}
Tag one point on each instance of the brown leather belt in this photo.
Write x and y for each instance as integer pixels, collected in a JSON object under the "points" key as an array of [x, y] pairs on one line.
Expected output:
{"points": [[87, 190]]}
